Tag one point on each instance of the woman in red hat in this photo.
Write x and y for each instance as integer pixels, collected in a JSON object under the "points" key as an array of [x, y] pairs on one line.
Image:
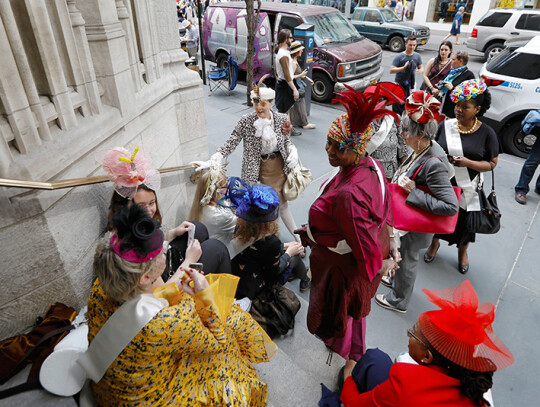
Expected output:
{"points": [[455, 352], [346, 230]]}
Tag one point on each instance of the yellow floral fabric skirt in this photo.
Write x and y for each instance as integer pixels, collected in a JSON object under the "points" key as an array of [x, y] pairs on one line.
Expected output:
{"points": [[185, 356]]}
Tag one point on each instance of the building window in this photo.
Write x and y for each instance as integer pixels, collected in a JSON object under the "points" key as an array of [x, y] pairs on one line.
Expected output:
{"points": [[443, 11]]}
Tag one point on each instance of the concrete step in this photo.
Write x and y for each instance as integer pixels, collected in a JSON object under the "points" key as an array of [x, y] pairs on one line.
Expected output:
{"points": [[295, 373]]}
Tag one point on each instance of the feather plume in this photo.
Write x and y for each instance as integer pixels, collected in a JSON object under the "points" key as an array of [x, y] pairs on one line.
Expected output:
{"points": [[362, 109]]}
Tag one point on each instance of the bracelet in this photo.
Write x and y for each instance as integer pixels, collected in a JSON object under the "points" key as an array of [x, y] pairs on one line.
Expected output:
{"points": [[392, 236]]}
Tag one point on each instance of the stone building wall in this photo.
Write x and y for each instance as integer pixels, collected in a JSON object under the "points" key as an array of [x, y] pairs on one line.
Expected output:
{"points": [[78, 77]]}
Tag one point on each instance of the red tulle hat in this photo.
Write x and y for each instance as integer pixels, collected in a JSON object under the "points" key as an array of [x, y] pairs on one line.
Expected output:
{"points": [[423, 107], [462, 330], [392, 92]]}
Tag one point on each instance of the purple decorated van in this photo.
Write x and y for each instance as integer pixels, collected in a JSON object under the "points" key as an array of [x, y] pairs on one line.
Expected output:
{"points": [[340, 56]]}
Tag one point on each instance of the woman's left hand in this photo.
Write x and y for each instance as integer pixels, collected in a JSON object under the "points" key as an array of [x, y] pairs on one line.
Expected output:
{"points": [[407, 184], [309, 80], [286, 128]]}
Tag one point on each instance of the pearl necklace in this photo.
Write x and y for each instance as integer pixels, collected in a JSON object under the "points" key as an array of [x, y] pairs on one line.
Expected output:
{"points": [[471, 130]]}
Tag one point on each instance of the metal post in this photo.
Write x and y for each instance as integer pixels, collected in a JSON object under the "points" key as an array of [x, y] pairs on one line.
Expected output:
{"points": [[199, 7]]}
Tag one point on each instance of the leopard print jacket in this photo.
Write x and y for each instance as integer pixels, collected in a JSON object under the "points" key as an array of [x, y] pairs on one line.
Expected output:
{"points": [[251, 160]]}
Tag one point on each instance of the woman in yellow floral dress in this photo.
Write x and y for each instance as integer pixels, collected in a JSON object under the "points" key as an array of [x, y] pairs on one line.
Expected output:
{"points": [[186, 355]]}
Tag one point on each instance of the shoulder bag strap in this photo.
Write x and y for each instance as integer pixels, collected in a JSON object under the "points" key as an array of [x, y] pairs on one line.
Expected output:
{"points": [[438, 73], [421, 165], [492, 177]]}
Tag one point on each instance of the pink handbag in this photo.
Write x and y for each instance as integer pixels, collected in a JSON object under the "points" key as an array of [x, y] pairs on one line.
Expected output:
{"points": [[412, 219]]}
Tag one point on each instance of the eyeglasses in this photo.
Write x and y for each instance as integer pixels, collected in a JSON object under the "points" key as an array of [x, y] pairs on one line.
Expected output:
{"points": [[291, 37], [411, 334]]}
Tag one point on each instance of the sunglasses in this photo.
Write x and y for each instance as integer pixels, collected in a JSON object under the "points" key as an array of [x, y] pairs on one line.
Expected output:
{"points": [[410, 333]]}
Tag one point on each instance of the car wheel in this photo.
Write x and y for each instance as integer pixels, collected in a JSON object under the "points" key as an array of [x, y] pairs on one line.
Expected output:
{"points": [[221, 60], [323, 88], [396, 44], [515, 141], [493, 50]]}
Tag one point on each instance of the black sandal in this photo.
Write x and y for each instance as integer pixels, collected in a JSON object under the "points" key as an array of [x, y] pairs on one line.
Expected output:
{"points": [[428, 258]]}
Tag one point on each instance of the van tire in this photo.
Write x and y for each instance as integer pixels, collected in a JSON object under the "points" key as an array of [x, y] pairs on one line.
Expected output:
{"points": [[396, 43], [221, 60], [493, 50], [514, 141], [323, 88]]}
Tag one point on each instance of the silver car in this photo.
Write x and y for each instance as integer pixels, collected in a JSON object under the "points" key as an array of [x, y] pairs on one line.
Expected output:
{"points": [[501, 24]]}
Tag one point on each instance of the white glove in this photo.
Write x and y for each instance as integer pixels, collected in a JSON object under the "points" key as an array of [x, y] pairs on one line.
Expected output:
{"points": [[204, 165], [292, 159]]}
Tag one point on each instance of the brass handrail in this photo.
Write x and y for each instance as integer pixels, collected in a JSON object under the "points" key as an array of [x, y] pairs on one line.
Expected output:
{"points": [[69, 183]]}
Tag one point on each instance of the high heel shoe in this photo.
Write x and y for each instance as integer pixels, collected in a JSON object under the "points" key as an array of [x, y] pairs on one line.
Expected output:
{"points": [[428, 258]]}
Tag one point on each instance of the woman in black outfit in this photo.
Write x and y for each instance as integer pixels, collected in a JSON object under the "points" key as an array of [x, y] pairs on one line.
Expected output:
{"points": [[259, 257], [480, 150], [459, 73]]}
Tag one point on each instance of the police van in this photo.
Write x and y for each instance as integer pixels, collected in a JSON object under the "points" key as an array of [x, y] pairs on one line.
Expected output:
{"points": [[513, 78]]}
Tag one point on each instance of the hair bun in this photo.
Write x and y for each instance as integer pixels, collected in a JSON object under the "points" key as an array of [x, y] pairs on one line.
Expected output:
{"points": [[144, 228], [137, 230]]}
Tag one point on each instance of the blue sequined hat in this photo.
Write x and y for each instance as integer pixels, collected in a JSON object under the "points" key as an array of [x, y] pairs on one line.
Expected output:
{"points": [[254, 203]]}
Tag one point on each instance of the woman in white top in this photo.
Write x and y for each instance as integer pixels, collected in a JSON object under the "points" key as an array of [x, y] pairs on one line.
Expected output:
{"points": [[286, 91]]}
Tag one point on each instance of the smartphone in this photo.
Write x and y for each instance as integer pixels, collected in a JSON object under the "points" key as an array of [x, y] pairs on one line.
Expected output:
{"points": [[196, 266], [191, 235]]}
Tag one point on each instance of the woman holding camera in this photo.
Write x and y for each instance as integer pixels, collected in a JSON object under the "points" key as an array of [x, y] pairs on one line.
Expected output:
{"points": [[438, 68]]}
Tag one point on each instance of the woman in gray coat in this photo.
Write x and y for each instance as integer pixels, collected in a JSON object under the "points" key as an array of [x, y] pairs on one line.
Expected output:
{"points": [[429, 163]]}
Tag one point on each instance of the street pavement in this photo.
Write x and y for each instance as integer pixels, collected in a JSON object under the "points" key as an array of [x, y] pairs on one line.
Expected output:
{"points": [[503, 269]]}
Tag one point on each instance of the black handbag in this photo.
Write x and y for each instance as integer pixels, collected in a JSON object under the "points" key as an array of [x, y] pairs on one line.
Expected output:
{"points": [[274, 309], [488, 219]]}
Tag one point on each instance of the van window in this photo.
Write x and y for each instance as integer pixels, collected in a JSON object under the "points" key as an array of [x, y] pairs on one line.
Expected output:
{"points": [[518, 65], [288, 22], [529, 22], [494, 20], [332, 28]]}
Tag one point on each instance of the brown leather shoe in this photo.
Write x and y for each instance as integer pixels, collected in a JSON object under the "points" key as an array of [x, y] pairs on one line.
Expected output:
{"points": [[521, 198]]}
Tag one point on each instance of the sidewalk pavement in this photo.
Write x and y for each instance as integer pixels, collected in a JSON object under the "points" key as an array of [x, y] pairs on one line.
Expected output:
{"points": [[504, 270]]}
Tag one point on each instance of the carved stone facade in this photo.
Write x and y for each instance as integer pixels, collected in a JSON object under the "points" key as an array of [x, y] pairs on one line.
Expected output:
{"points": [[77, 77]]}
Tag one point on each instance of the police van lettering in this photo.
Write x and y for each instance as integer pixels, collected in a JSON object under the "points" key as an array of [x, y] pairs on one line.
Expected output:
{"points": [[512, 85]]}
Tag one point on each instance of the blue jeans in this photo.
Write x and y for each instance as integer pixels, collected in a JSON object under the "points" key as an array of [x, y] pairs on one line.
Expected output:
{"points": [[529, 167]]}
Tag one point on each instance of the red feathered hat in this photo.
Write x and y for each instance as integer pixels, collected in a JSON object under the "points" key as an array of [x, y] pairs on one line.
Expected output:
{"points": [[392, 92], [353, 129], [461, 330], [422, 107]]}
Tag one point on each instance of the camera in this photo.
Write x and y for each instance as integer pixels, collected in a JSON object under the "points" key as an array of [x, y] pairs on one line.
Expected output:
{"points": [[440, 85]]}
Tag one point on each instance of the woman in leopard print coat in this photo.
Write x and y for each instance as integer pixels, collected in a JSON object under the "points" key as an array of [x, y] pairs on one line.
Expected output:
{"points": [[268, 153]]}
